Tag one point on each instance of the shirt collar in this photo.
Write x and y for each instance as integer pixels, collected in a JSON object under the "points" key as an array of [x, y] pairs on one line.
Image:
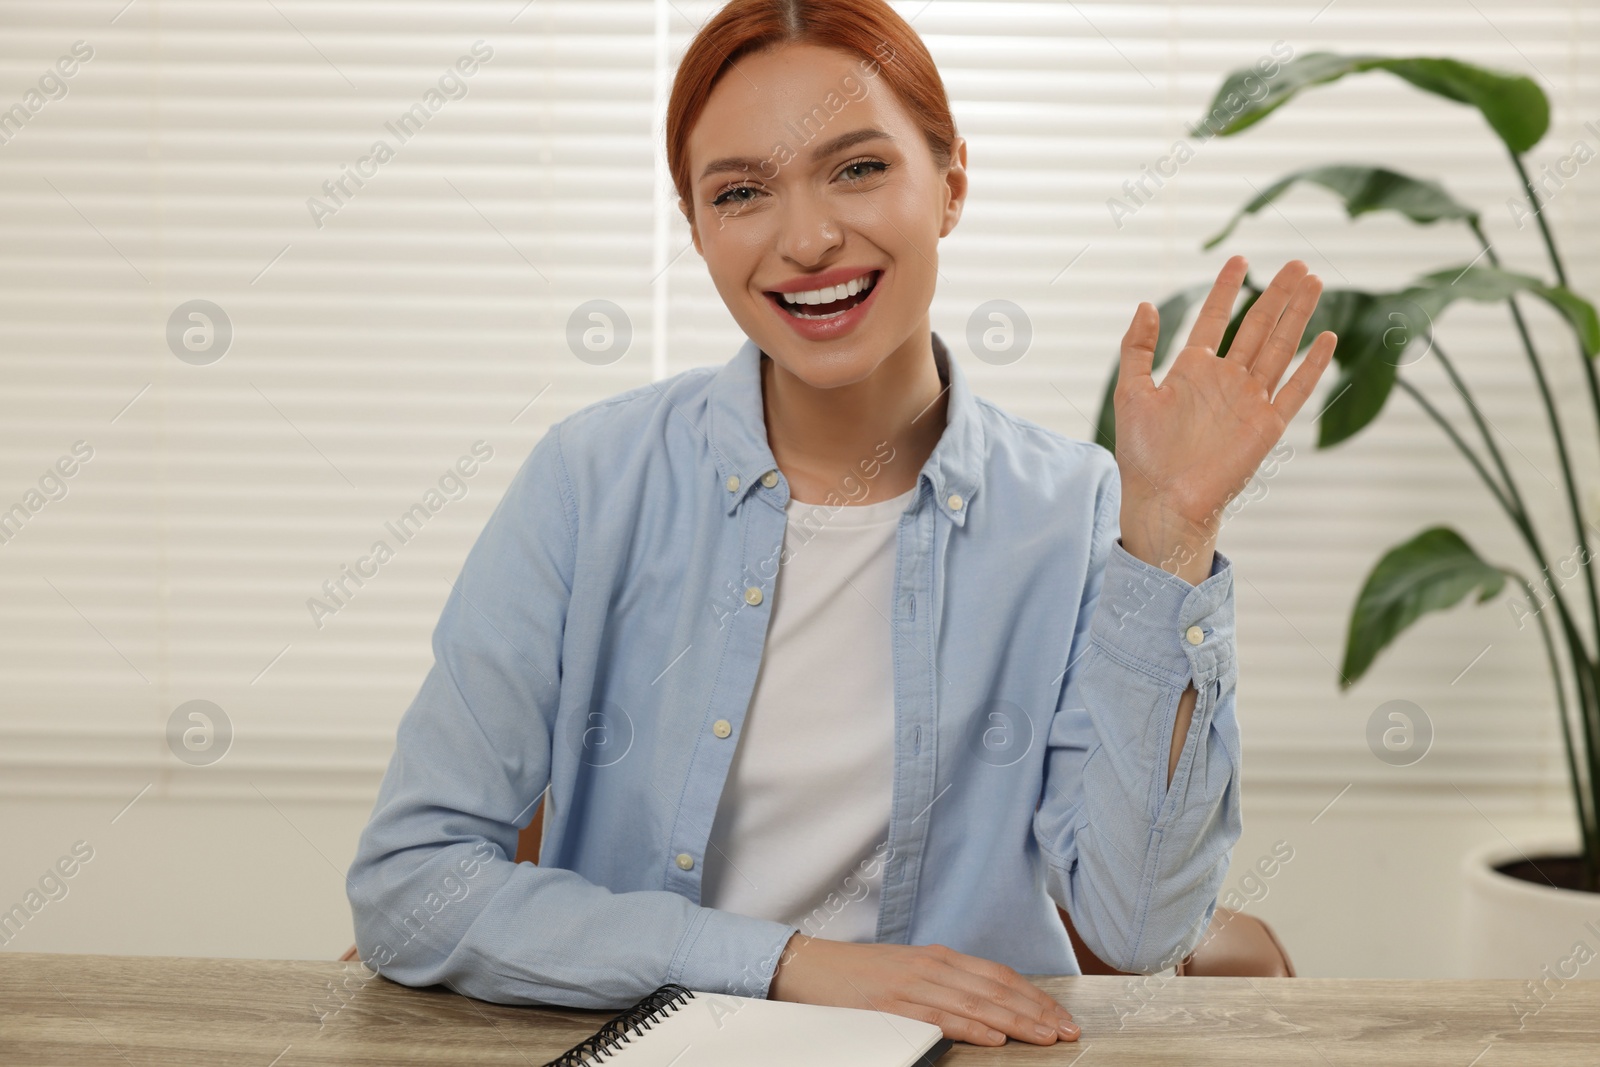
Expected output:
{"points": [[737, 431]]}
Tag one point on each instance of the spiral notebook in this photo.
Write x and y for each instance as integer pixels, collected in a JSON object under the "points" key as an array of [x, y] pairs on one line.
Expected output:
{"points": [[679, 1027]]}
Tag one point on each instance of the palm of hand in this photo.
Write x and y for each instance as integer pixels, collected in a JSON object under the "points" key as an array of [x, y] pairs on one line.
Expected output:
{"points": [[1189, 445]]}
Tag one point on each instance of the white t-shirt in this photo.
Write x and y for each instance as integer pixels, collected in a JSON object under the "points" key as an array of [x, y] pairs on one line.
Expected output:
{"points": [[803, 820]]}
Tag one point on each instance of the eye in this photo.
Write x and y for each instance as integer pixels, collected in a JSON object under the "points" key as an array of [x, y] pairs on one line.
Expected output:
{"points": [[736, 194], [860, 169]]}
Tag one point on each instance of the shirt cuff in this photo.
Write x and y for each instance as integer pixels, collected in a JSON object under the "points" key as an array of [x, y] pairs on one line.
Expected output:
{"points": [[1151, 618], [726, 952]]}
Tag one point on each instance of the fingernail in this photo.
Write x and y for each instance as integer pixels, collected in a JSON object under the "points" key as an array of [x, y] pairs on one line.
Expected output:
{"points": [[1069, 1028], [1043, 1031]]}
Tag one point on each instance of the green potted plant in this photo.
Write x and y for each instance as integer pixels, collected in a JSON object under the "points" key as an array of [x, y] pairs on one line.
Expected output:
{"points": [[1523, 916]]}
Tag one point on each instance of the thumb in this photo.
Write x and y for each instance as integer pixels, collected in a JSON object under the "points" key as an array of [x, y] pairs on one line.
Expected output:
{"points": [[1139, 349]]}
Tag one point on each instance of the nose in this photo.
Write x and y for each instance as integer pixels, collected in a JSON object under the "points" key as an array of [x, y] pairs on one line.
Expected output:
{"points": [[809, 232]]}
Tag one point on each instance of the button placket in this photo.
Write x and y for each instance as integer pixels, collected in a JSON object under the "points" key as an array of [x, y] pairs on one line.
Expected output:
{"points": [[918, 552], [743, 635]]}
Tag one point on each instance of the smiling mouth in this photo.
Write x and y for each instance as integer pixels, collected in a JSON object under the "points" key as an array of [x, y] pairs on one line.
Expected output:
{"points": [[825, 307]]}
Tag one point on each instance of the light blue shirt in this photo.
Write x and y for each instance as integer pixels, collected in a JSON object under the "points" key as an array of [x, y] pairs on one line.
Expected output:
{"points": [[603, 640]]}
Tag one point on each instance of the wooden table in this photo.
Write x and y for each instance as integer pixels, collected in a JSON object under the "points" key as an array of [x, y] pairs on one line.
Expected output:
{"points": [[138, 1010]]}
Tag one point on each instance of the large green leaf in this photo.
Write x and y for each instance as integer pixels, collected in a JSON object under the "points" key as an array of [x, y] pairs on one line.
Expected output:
{"points": [[1363, 189], [1513, 105], [1366, 354], [1377, 331], [1431, 572], [1434, 292], [1172, 311]]}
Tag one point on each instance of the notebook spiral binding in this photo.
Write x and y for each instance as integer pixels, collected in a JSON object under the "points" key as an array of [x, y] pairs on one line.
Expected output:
{"points": [[598, 1047]]}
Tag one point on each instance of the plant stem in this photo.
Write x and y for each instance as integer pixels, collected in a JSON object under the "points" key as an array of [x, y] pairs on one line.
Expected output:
{"points": [[1591, 698], [1588, 823], [1538, 216], [1511, 510], [1590, 721], [1483, 428], [1555, 264], [1584, 671], [1588, 681], [1555, 428], [1583, 666], [1518, 519]]}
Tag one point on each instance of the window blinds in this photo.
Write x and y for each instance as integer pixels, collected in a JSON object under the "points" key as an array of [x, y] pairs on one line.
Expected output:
{"points": [[288, 281]]}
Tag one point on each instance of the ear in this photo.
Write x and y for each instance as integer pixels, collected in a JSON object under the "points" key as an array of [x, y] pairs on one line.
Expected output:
{"points": [[955, 178], [694, 231]]}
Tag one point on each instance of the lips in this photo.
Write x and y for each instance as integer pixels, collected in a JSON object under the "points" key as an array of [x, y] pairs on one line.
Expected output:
{"points": [[830, 315], [831, 276], [829, 301]]}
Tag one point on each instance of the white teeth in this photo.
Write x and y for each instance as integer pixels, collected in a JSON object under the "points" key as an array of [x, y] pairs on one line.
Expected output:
{"points": [[831, 293]]}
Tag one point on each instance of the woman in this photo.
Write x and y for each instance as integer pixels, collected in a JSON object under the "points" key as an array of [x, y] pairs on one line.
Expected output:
{"points": [[840, 678]]}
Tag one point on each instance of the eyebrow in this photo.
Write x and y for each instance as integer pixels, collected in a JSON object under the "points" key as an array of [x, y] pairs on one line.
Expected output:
{"points": [[827, 148]]}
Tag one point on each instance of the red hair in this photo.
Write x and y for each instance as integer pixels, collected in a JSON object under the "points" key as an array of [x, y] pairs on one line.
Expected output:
{"points": [[869, 29]]}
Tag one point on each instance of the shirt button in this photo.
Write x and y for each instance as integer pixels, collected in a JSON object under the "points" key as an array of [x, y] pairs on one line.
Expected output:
{"points": [[769, 479], [732, 483], [1195, 635], [752, 596], [685, 861], [722, 728], [955, 501]]}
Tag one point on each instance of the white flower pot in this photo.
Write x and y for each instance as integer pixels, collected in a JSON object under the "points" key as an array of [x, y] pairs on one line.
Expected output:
{"points": [[1517, 929]]}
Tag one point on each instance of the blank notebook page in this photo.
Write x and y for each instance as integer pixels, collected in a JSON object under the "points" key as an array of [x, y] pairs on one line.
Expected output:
{"points": [[720, 1030]]}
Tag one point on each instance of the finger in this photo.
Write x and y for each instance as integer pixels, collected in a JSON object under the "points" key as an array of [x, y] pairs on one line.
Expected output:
{"points": [[1049, 1011], [1280, 348], [1218, 308], [1139, 349], [958, 1010], [1295, 391], [954, 1026], [996, 1004], [1263, 314]]}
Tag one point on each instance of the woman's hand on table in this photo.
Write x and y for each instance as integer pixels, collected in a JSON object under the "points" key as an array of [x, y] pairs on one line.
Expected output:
{"points": [[971, 999]]}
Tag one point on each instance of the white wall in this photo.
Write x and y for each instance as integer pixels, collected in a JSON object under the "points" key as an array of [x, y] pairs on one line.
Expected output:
{"points": [[430, 311]]}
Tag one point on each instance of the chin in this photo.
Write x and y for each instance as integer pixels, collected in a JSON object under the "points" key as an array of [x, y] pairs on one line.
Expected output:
{"points": [[834, 363], [828, 366]]}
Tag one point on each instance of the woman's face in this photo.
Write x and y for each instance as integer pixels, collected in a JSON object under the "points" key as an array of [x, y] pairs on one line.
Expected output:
{"points": [[812, 181]]}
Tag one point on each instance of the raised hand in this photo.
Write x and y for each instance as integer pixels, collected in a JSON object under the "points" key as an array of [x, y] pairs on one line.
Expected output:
{"points": [[1187, 447]]}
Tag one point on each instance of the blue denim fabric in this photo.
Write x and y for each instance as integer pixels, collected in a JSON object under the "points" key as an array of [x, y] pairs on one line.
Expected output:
{"points": [[609, 622]]}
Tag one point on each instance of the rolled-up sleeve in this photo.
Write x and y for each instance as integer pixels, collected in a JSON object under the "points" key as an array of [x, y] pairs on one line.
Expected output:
{"points": [[435, 896], [1138, 862]]}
